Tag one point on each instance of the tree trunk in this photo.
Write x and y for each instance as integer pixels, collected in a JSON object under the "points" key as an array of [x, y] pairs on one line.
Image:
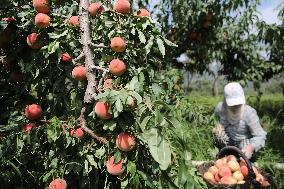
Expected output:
{"points": [[215, 91]]}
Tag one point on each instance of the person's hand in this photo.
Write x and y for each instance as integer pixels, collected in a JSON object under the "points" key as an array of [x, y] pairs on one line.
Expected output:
{"points": [[248, 150], [218, 129]]}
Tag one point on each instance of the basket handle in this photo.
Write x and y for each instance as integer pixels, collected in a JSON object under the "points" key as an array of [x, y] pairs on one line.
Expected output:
{"points": [[228, 150]]}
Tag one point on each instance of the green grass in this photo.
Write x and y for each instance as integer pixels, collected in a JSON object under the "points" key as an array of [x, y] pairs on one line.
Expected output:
{"points": [[270, 110]]}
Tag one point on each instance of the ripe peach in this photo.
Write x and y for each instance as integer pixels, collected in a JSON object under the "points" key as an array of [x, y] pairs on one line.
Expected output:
{"points": [[221, 162], [238, 175], [42, 20], [217, 178], [244, 170], [231, 158], [28, 127], [234, 166], [209, 177], [107, 84], [213, 169], [224, 171], [101, 109], [34, 41], [77, 132], [143, 13], [41, 6], [96, 9], [66, 57], [242, 163], [122, 6], [118, 44], [114, 168], [228, 180], [33, 111], [58, 184], [117, 67], [125, 142], [79, 73], [74, 21]]}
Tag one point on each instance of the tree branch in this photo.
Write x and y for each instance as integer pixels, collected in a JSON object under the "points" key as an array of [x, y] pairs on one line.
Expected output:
{"points": [[89, 62], [79, 57], [101, 45], [83, 122]]}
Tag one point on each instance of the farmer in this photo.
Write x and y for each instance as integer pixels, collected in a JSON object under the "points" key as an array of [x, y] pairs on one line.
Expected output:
{"points": [[239, 124]]}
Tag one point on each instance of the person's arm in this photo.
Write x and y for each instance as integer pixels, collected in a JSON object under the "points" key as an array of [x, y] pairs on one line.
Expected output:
{"points": [[258, 134]]}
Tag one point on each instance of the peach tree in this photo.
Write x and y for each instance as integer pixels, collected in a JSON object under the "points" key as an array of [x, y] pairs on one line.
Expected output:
{"points": [[82, 101]]}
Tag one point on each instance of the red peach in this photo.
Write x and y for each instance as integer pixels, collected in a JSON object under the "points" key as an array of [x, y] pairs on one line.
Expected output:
{"points": [[143, 13], [66, 57], [34, 41], [77, 132], [101, 109], [41, 6], [28, 127], [244, 170], [231, 158], [234, 166], [228, 180], [122, 6], [114, 168], [117, 67], [118, 44], [33, 111], [213, 169], [125, 142], [42, 20], [96, 9], [220, 162], [224, 171], [58, 184], [74, 21], [79, 73]]}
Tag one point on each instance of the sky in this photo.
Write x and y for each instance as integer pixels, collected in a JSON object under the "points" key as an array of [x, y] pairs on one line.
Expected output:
{"points": [[268, 10]]}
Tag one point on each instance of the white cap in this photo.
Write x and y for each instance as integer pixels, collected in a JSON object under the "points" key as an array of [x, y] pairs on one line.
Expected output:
{"points": [[234, 94]]}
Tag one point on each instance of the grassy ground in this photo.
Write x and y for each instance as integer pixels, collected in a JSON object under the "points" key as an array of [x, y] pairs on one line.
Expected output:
{"points": [[270, 109]]}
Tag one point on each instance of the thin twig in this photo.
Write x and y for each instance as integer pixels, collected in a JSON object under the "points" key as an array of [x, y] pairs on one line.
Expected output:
{"points": [[83, 122], [100, 68], [79, 57], [101, 45]]}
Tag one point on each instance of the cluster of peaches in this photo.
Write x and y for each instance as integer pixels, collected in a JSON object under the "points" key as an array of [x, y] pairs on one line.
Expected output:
{"points": [[229, 171]]}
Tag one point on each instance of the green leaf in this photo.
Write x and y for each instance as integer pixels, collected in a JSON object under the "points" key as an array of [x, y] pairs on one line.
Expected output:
{"points": [[161, 46], [145, 122], [168, 42], [141, 37], [149, 45], [159, 148], [91, 159], [137, 96], [118, 105]]}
